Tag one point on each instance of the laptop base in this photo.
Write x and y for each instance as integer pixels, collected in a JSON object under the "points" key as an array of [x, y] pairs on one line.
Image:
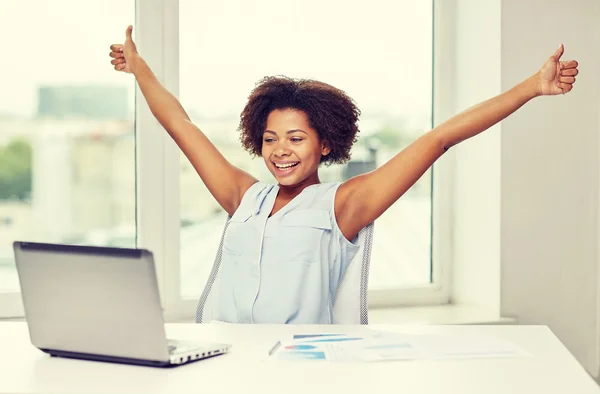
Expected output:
{"points": [[117, 360]]}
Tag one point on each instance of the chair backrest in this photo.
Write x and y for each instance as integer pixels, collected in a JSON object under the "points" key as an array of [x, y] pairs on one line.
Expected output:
{"points": [[204, 310], [350, 300]]}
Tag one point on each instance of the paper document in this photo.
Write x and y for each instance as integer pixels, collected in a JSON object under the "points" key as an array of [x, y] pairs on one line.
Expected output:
{"points": [[385, 346], [314, 347]]}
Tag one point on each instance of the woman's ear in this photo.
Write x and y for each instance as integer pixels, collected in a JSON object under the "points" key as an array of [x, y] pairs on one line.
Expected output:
{"points": [[325, 149]]}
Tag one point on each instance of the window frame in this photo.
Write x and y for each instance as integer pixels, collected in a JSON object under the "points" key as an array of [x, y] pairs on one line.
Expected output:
{"points": [[443, 89]]}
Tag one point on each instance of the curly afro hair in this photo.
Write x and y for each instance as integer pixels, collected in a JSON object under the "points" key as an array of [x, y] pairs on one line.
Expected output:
{"points": [[330, 111]]}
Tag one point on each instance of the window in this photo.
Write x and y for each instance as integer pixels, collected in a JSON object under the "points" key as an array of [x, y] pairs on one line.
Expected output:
{"points": [[379, 53], [73, 170], [67, 170]]}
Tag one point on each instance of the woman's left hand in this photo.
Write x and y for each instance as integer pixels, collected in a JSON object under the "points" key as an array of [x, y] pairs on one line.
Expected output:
{"points": [[556, 76]]}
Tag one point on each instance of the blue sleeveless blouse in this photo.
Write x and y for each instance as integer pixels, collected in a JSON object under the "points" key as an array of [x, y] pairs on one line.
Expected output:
{"points": [[285, 268]]}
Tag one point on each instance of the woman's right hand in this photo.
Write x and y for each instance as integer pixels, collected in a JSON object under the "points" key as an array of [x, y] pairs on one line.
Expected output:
{"points": [[124, 54]]}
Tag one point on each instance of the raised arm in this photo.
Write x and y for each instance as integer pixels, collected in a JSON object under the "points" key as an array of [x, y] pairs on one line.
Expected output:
{"points": [[364, 198], [225, 182]]}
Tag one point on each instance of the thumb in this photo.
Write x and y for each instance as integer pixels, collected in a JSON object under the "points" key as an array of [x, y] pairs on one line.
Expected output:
{"points": [[559, 52], [128, 32]]}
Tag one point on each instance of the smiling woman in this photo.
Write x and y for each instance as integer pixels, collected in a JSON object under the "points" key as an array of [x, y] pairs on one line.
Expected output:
{"points": [[292, 154], [296, 125], [370, 62], [328, 112], [316, 223]]}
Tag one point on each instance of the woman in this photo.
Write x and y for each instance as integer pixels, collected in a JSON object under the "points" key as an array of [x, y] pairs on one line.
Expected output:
{"points": [[288, 244]]}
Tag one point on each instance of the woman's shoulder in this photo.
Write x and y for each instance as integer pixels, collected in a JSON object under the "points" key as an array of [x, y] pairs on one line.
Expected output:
{"points": [[318, 199], [257, 189], [254, 197], [323, 191]]}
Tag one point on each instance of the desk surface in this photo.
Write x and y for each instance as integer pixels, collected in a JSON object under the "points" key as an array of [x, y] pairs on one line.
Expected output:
{"points": [[552, 369]]}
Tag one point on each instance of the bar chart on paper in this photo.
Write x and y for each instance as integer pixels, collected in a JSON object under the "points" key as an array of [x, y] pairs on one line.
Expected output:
{"points": [[385, 346]]}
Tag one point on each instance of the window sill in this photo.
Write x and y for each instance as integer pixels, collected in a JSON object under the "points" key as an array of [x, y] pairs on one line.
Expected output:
{"points": [[439, 314]]}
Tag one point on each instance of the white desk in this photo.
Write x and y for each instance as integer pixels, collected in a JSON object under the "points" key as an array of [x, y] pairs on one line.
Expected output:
{"points": [[552, 369]]}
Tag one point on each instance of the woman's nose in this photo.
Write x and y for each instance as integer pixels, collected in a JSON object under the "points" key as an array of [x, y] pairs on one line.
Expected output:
{"points": [[281, 151]]}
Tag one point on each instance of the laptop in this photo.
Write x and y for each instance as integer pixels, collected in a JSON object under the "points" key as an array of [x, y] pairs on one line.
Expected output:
{"points": [[99, 303]]}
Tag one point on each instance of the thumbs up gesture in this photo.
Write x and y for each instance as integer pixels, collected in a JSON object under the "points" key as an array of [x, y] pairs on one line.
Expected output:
{"points": [[124, 55], [556, 76]]}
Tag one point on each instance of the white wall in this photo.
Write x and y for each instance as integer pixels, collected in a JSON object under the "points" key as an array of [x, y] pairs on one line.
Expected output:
{"points": [[550, 177], [526, 196], [476, 255]]}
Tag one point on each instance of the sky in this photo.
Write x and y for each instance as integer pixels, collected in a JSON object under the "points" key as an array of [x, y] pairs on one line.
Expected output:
{"points": [[378, 51]]}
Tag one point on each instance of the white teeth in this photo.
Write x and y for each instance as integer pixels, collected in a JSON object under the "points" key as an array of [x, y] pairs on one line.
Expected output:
{"points": [[285, 165]]}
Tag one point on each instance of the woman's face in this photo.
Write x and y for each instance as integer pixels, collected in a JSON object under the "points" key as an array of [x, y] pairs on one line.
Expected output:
{"points": [[291, 147]]}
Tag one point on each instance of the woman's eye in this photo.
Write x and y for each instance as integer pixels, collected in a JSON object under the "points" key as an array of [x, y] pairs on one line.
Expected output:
{"points": [[269, 140], [295, 139]]}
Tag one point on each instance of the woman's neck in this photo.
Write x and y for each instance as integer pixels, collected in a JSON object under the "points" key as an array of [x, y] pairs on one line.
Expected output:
{"points": [[291, 191]]}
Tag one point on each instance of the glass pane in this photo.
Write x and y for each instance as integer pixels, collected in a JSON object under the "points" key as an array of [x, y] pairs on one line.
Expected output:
{"points": [[380, 54], [67, 172]]}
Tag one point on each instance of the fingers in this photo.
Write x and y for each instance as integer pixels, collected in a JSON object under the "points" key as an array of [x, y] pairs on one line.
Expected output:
{"points": [[569, 64], [565, 87], [559, 52], [116, 47], [566, 79], [570, 72], [116, 52]]}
